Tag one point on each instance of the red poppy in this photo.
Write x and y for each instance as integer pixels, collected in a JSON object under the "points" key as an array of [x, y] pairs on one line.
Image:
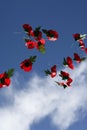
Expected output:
{"points": [[28, 29], [64, 75], [68, 62], [52, 35], [4, 80], [26, 65], [69, 81], [37, 34], [7, 81], [53, 68], [53, 71], [53, 74], [81, 44], [76, 36], [30, 44], [77, 58], [40, 43]]}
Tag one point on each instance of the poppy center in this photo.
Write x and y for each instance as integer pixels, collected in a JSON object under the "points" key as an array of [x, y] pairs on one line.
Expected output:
{"points": [[27, 64]]}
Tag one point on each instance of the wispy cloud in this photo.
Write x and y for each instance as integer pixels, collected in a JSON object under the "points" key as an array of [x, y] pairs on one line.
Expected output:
{"points": [[41, 97]]}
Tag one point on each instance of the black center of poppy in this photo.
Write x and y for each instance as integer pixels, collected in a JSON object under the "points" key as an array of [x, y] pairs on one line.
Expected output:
{"points": [[27, 64]]}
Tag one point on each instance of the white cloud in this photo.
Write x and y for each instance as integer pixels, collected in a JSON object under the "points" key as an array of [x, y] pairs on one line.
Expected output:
{"points": [[42, 97]]}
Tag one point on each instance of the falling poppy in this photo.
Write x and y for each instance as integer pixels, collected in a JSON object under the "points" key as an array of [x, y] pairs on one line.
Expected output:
{"points": [[64, 75], [28, 29], [26, 65], [30, 44], [68, 62], [37, 34], [69, 81], [52, 35], [53, 71], [78, 36], [5, 78], [40, 45], [78, 59], [81, 44]]}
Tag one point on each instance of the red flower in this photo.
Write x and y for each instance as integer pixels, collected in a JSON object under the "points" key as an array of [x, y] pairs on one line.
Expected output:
{"points": [[40, 43], [28, 29], [26, 65], [37, 34], [53, 71], [64, 75], [4, 80], [76, 36], [81, 44], [69, 81], [77, 57], [7, 81], [68, 61], [53, 68], [30, 44], [52, 35]]}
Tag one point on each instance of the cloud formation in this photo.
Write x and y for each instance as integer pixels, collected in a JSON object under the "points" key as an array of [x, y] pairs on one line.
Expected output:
{"points": [[41, 97]]}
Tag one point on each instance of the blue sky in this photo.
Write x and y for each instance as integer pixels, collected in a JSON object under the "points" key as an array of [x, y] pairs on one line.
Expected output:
{"points": [[67, 18]]}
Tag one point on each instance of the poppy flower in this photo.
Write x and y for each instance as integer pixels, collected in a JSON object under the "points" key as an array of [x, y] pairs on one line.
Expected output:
{"points": [[40, 45], [64, 75], [78, 36], [53, 71], [69, 81], [68, 62], [81, 44], [7, 81], [37, 34], [77, 58], [30, 44], [28, 29], [5, 78], [26, 65], [52, 35]]}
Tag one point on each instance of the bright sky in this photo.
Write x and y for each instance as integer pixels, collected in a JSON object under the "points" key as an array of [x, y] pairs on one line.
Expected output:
{"points": [[33, 101]]}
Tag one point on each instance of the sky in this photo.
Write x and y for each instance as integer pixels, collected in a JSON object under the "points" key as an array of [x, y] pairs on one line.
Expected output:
{"points": [[34, 101]]}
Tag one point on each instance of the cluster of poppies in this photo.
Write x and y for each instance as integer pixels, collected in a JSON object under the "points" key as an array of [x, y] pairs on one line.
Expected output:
{"points": [[34, 37], [79, 38], [68, 61], [5, 79]]}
